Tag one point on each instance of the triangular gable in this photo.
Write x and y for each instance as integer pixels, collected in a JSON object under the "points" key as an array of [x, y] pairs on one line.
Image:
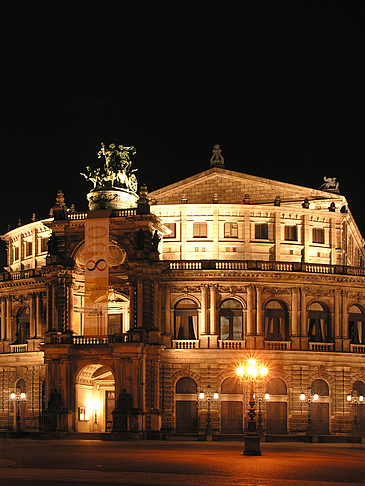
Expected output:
{"points": [[229, 187]]}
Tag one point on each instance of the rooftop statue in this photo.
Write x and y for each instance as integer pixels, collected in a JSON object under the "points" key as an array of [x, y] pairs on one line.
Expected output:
{"points": [[330, 184], [116, 172]]}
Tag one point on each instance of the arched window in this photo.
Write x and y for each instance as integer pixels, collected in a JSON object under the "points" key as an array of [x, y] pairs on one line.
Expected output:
{"points": [[320, 388], [357, 324], [276, 321], [186, 319], [186, 385], [359, 387], [319, 330], [21, 386], [231, 385], [276, 386], [231, 320], [22, 332]]}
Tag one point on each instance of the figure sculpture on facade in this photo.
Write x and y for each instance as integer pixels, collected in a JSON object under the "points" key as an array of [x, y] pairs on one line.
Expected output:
{"points": [[330, 183], [116, 171]]}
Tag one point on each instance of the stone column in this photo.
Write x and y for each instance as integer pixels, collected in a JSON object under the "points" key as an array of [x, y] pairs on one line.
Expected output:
{"points": [[259, 319], [3, 319], [303, 322], [214, 328], [336, 325], [32, 330], [250, 319], [38, 315], [344, 323], [139, 303], [70, 324], [168, 310], [8, 318], [294, 331], [203, 313]]}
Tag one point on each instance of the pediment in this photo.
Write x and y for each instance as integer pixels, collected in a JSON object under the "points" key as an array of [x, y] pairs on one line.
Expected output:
{"points": [[228, 187]]}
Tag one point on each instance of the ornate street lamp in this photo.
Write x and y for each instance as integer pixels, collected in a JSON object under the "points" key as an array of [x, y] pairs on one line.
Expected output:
{"points": [[252, 372], [355, 398], [17, 398], [309, 398], [208, 396]]}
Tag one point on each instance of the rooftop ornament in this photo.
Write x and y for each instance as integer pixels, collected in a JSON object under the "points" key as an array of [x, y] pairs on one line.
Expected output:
{"points": [[115, 184], [217, 159]]}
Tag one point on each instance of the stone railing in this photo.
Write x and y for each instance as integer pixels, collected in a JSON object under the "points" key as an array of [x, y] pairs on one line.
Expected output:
{"points": [[185, 343], [88, 340], [115, 213], [357, 348], [231, 344], [278, 345], [18, 348], [321, 347], [265, 266]]}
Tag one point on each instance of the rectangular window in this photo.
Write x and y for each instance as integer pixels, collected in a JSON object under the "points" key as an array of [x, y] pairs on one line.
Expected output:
{"points": [[172, 228], [83, 414], [231, 230], [261, 231], [115, 324], [16, 253], [28, 248], [291, 233], [44, 245], [200, 230], [318, 235]]}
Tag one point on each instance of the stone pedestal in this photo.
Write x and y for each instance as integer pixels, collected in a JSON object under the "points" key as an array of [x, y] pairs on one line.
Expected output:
{"points": [[111, 199]]}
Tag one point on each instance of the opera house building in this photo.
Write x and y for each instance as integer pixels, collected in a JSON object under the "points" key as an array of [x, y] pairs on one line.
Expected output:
{"points": [[131, 317]]}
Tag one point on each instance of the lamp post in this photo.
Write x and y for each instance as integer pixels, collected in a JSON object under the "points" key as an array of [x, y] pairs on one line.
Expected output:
{"points": [[17, 398], [251, 373], [355, 398], [309, 398], [208, 396]]}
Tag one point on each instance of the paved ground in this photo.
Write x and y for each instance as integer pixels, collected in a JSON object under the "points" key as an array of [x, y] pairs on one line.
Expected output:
{"points": [[84, 462]]}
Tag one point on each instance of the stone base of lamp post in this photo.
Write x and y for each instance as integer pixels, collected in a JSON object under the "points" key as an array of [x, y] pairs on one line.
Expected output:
{"points": [[252, 445]]}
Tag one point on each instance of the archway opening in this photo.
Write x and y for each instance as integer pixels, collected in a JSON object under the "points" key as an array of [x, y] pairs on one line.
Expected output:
{"points": [[95, 399]]}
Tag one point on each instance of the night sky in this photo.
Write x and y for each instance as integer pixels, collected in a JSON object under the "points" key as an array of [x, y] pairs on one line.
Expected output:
{"points": [[281, 90]]}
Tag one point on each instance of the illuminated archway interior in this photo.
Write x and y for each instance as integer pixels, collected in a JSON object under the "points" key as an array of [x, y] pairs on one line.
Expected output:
{"points": [[95, 399]]}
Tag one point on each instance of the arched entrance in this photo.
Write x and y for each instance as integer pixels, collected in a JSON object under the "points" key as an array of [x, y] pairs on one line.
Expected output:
{"points": [[231, 406], [95, 399], [186, 405], [276, 407]]}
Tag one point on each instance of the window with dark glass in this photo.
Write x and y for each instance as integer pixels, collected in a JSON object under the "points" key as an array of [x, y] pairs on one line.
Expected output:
{"points": [[22, 326], [261, 231], [231, 320], [276, 321], [44, 244], [186, 320], [319, 325], [357, 325], [28, 248], [318, 235], [200, 230], [115, 324], [172, 228], [291, 233], [231, 230]]}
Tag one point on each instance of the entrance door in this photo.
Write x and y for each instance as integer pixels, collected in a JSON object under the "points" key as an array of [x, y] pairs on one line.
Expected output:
{"points": [[109, 407], [276, 421], [232, 417], [320, 418], [361, 416], [186, 416]]}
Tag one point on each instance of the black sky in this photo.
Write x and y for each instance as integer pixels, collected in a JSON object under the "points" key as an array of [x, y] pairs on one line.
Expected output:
{"points": [[281, 90]]}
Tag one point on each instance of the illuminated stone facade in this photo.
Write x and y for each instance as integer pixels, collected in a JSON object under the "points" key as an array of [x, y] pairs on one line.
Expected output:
{"points": [[244, 266]]}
